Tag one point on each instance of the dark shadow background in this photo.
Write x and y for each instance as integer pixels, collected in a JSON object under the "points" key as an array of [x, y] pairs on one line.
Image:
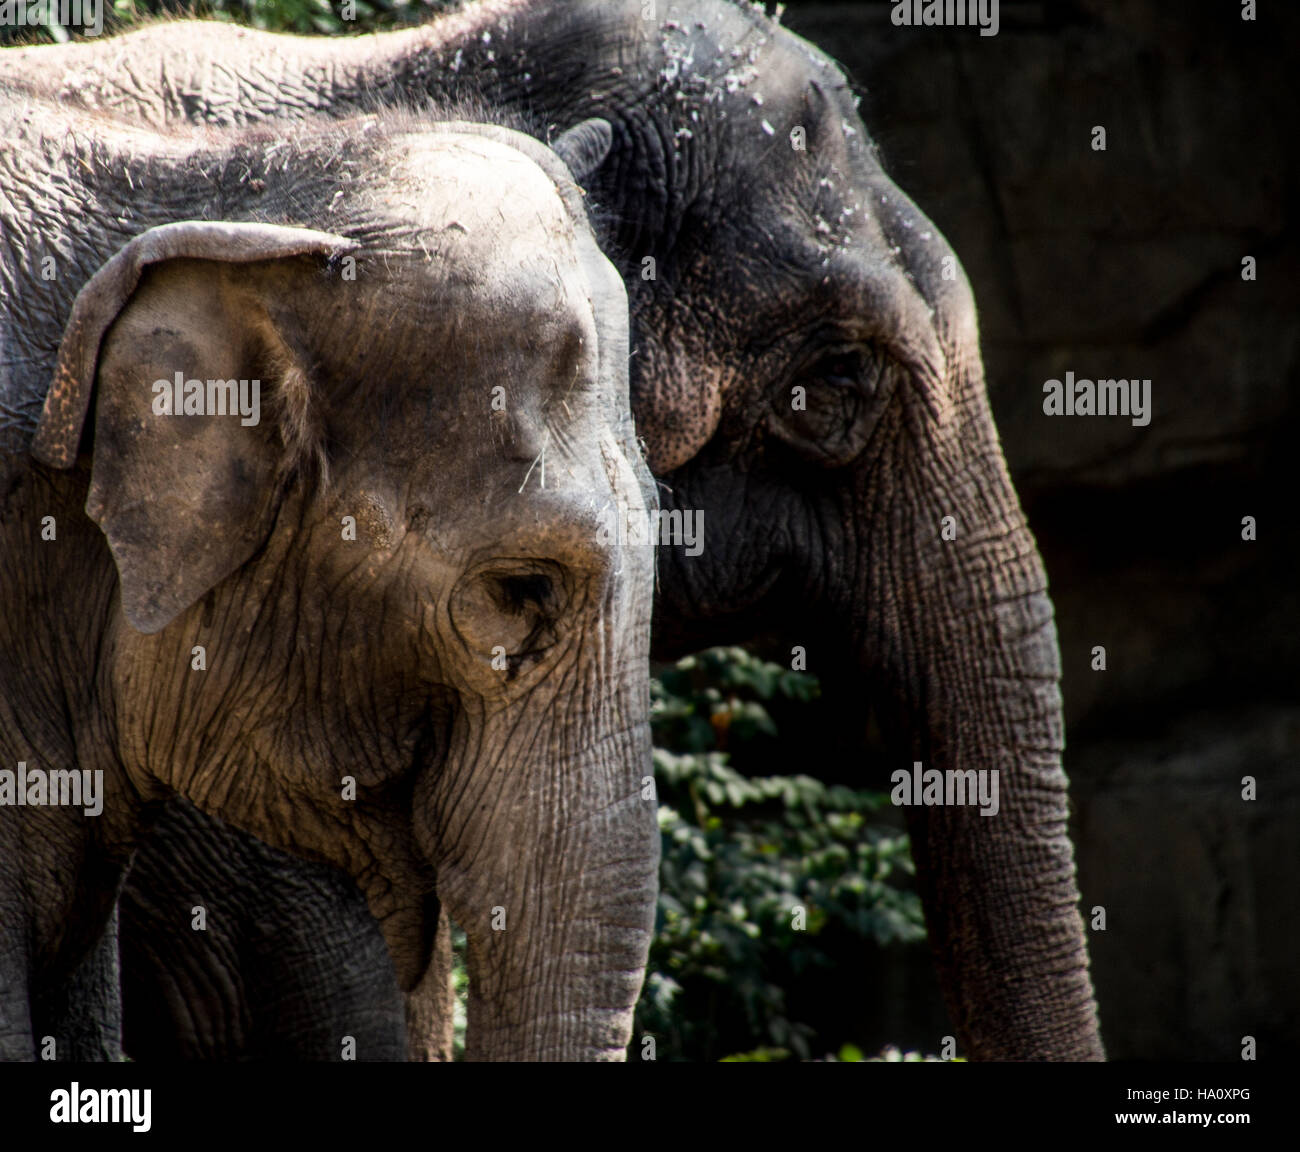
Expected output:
{"points": [[1128, 263]]}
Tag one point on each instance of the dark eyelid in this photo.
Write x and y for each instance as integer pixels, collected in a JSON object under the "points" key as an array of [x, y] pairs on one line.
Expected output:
{"points": [[823, 359], [883, 310]]}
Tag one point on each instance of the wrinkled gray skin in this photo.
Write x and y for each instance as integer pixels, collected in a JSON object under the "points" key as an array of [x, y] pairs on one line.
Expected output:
{"points": [[303, 935], [774, 268], [455, 694]]}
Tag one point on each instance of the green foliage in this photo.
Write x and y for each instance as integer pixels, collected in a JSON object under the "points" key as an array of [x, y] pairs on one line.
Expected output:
{"points": [[758, 1056], [460, 984], [852, 1054], [742, 857]]}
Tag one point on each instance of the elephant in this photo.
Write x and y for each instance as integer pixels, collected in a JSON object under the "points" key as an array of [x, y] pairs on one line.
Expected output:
{"points": [[807, 375], [291, 926], [284, 926], [309, 435]]}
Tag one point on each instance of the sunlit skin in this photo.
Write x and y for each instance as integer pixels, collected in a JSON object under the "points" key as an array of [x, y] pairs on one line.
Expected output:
{"points": [[299, 623]]}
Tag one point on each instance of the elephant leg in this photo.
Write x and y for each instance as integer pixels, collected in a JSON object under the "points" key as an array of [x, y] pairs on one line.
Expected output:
{"points": [[84, 1015], [233, 950]]}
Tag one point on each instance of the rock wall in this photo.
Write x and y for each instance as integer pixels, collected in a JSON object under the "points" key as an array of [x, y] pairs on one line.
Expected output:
{"points": [[1127, 263]]}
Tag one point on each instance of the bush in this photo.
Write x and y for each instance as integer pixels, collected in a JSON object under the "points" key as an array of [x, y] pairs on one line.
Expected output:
{"points": [[762, 878]]}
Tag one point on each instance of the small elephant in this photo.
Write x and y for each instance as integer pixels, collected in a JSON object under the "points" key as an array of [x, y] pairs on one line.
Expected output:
{"points": [[809, 385], [308, 442]]}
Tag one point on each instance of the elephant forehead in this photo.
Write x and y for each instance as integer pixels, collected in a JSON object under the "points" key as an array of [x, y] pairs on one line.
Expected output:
{"points": [[488, 209]]}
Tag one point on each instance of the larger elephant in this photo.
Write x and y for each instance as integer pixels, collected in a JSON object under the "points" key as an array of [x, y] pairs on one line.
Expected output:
{"points": [[248, 381], [807, 373]]}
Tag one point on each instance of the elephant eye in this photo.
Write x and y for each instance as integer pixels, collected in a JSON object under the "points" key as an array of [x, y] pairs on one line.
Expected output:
{"points": [[842, 370], [829, 410]]}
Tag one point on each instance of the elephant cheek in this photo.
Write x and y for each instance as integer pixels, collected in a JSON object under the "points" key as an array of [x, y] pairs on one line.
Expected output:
{"points": [[677, 401]]}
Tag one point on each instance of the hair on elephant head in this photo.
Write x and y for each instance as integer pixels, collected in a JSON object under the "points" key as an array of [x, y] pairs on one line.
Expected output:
{"points": [[348, 416]]}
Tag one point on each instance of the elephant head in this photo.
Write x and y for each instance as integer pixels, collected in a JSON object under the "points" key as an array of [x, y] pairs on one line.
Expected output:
{"points": [[356, 491], [809, 378]]}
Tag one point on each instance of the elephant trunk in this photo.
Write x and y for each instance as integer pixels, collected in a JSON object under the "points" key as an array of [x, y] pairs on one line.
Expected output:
{"points": [[975, 661], [552, 872], [562, 980]]}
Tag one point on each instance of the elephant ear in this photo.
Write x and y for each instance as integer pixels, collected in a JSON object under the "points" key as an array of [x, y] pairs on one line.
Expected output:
{"points": [[584, 148], [184, 500]]}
